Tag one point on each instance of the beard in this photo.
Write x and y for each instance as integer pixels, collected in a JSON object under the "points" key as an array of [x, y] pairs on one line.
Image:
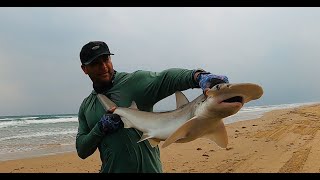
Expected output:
{"points": [[102, 86]]}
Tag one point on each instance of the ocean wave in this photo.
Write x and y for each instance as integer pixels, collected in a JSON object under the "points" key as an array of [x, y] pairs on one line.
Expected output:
{"points": [[28, 121], [39, 134]]}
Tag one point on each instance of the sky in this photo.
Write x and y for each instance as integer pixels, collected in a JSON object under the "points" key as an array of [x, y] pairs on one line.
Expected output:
{"points": [[275, 47]]}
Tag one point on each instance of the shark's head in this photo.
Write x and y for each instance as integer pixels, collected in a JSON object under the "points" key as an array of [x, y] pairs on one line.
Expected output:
{"points": [[224, 100]]}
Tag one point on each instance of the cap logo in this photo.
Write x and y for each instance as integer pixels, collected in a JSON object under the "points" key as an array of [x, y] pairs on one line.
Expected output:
{"points": [[95, 47]]}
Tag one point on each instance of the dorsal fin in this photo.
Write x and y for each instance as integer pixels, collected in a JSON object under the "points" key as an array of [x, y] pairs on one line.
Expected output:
{"points": [[181, 99], [144, 137], [133, 105], [153, 141]]}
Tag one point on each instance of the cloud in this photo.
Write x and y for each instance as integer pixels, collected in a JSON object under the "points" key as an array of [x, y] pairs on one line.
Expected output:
{"points": [[39, 50]]}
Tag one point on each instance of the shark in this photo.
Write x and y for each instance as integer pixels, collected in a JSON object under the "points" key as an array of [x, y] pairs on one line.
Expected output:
{"points": [[200, 118]]}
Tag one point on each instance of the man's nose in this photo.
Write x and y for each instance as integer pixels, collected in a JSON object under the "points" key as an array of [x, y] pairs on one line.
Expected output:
{"points": [[104, 65]]}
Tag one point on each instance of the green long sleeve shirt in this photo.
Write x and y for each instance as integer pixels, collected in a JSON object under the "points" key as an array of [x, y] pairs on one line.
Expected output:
{"points": [[119, 151]]}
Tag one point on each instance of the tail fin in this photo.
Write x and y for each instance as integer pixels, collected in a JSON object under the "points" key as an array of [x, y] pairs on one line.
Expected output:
{"points": [[106, 102]]}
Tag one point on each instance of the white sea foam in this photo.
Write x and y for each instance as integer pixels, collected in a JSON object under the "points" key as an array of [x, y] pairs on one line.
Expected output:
{"points": [[39, 134], [34, 120], [253, 112]]}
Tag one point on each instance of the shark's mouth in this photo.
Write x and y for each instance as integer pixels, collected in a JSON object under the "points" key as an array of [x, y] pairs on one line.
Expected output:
{"points": [[234, 99]]}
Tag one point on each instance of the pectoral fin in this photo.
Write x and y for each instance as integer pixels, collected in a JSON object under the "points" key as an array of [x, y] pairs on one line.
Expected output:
{"points": [[182, 132], [196, 128], [218, 135]]}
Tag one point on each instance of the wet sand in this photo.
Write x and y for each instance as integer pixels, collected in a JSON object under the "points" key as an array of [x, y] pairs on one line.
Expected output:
{"points": [[282, 141]]}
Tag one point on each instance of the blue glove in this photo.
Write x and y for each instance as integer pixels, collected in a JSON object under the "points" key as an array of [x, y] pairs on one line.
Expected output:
{"points": [[208, 80], [110, 123]]}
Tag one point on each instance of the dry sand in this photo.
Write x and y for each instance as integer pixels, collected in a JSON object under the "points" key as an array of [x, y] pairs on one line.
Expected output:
{"points": [[280, 141]]}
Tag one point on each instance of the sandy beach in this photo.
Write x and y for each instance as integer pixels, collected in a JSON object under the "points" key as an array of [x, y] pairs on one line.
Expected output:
{"points": [[282, 141]]}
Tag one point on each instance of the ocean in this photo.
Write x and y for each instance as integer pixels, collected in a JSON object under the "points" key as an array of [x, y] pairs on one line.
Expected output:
{"points": [[37, 135]]}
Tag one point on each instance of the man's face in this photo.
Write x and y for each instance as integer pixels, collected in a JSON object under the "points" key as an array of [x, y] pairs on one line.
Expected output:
{"points": [[100, 70]]}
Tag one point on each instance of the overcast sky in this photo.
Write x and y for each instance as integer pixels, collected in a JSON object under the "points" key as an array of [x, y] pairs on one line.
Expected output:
{"points": [[275, 47]]}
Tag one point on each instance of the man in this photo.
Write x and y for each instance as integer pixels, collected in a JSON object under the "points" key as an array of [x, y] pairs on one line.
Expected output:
{"points": [[118, 147]]}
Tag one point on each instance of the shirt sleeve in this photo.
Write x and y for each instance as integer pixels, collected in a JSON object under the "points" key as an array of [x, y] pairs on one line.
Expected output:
{"points": [[154, 86], [87, 140]]}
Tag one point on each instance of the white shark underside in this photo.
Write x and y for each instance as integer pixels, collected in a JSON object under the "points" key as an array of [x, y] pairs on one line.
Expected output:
{"points": [[200, 118]]}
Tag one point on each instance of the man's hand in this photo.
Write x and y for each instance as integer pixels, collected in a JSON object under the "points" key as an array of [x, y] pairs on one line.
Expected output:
{"points": [[207, 80], [110, 123]]}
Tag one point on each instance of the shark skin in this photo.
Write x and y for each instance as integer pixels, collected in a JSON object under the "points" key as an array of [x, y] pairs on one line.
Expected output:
{"points": [[200, 118]]}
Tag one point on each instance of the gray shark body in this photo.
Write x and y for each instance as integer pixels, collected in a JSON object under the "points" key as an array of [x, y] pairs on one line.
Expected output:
{"points": [[200, 118]]}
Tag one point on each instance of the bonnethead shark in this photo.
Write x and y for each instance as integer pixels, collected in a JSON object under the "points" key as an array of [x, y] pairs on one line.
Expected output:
{"points": [[200, 118]]}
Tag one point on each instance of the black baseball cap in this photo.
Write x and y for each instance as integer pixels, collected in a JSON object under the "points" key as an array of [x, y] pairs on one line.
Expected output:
{"points": [[92, 50]]}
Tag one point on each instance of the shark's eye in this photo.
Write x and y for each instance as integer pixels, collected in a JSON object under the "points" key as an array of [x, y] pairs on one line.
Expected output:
{"points": [[218, 86]]}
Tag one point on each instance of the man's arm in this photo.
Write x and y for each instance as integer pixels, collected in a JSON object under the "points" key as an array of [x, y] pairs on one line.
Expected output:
{"points": [[87, 140], [154, 86], [151, 87]]}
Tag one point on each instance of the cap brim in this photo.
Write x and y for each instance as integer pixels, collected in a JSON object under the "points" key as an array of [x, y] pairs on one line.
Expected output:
{"points": [[95, 57]]}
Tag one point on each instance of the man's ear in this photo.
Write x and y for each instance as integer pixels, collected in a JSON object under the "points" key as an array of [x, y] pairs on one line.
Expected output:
{"points": [[84, 69]]}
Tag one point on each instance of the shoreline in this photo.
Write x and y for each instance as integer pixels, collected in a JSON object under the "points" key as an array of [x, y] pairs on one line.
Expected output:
{"points": [[38, 153], [285, 140]]}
